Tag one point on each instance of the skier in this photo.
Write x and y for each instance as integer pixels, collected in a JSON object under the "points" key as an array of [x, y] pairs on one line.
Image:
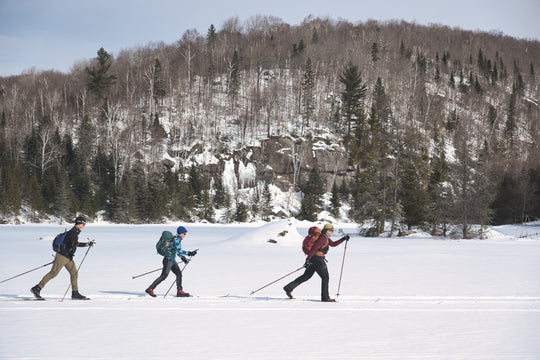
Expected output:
{"points": [[169, 263], [64, 258], [316, 262]]}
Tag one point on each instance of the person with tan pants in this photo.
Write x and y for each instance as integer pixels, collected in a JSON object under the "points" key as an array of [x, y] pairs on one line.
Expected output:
{"points": [[64, 258]]}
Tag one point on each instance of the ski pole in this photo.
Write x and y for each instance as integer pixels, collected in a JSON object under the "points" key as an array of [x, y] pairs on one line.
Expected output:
{"points": [[167, 293], [84, 257], [275, 281], [146, 273], [26, 272], [342, 263]]}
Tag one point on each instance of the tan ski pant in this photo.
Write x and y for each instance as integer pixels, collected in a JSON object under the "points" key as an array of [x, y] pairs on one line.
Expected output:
{"points": [[59, 262]]}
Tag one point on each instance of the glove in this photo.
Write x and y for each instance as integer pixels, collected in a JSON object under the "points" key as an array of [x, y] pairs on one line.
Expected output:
{"points": [[91, 243], [185, 260], [346, 238], [192, 253], [307, 263]]}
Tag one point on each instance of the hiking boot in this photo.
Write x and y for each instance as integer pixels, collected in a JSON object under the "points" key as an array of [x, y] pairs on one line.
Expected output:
{"points": [[35, 290], [181, 293], [75, 295], [150, 292], [328, 300], [288, 292]]}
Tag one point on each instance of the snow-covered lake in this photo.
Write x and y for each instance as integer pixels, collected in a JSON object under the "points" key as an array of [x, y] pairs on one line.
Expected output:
{"points": [[415, 297]]}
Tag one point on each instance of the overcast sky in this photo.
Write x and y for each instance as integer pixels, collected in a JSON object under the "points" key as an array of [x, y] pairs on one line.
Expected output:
{"points": [[54, 34]]}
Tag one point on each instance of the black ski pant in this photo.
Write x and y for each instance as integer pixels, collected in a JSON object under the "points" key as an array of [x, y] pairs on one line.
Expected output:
{"points": [[317, 265], [169, 265]]}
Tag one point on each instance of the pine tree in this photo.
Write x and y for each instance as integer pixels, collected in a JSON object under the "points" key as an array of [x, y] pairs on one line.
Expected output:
{"points": [[308, 88], [195, 183], [505, 207], [100, 81], [241, 214], [437, 189], [206, 209], [211, 38], [12, 189], [266, 206], [477, 86], [159, 90], [222, 199], [510, 126], [374, 52], [413, 192], [335, 202], [352, 95], [308, 209]]}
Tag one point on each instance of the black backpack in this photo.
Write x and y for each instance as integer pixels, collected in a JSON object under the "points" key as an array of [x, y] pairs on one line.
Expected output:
{"points": [[58, 240]]}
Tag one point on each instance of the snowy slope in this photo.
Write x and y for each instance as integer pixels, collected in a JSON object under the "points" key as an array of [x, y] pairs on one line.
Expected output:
{"points": [[401, 298]]}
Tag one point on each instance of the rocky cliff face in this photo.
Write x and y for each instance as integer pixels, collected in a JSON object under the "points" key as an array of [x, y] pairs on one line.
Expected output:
{"points": [[283, 161]]}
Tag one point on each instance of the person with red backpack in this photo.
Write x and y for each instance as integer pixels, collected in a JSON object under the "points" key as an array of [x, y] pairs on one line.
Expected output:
{"points": [[316, 261]]}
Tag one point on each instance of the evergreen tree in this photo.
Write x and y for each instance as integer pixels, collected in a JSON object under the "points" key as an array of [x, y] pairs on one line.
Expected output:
{"points": [[314, 187], [413, 193], [159, 89], [206, 209], [335, 202], [506, 205], [374, 52], [308, 209], [100, 81], [452, 81], [12, 189], [211, 38], [241, 214], [477, 87], [196, 184], [35, 198], [266, 206], [438, 191], [222, 199], [308, 89], [123, 207], [511, 125], [352, 95]]}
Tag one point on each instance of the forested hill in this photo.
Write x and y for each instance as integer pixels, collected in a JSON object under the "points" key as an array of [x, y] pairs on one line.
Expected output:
{"points": [[417, 125]]}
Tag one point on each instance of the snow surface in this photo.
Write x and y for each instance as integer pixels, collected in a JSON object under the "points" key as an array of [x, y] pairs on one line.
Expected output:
{"points": [[415, 297]]}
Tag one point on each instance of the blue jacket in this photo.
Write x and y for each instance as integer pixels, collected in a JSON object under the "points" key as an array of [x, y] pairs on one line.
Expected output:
{"points": [[176, 248]]}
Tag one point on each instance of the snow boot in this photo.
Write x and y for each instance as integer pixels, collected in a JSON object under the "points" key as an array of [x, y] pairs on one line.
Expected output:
{"points": [[181, 293], [288, 292], [328, 300], [75, 295], [35, 290], [150, 292]]}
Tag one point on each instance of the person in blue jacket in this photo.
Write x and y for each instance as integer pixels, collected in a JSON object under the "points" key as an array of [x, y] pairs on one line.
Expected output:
{"points": [[169, 263]]}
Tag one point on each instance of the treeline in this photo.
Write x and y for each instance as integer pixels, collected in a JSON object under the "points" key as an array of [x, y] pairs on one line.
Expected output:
{"points": [[440, 125]]}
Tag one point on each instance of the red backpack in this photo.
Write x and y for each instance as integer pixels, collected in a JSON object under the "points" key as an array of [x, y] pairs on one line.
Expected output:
{"points": [[313, 235]]}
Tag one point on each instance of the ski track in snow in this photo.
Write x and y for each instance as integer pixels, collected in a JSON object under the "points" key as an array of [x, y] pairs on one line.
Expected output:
{"points": [[400, 298], [244, 303]]}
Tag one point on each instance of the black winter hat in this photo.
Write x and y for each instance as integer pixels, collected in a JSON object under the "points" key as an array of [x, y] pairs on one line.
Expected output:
{"points": [[80, 220]]}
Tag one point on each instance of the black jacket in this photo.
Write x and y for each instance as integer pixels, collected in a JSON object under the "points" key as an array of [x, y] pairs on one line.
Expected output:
{"points": [[70, 243]]}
